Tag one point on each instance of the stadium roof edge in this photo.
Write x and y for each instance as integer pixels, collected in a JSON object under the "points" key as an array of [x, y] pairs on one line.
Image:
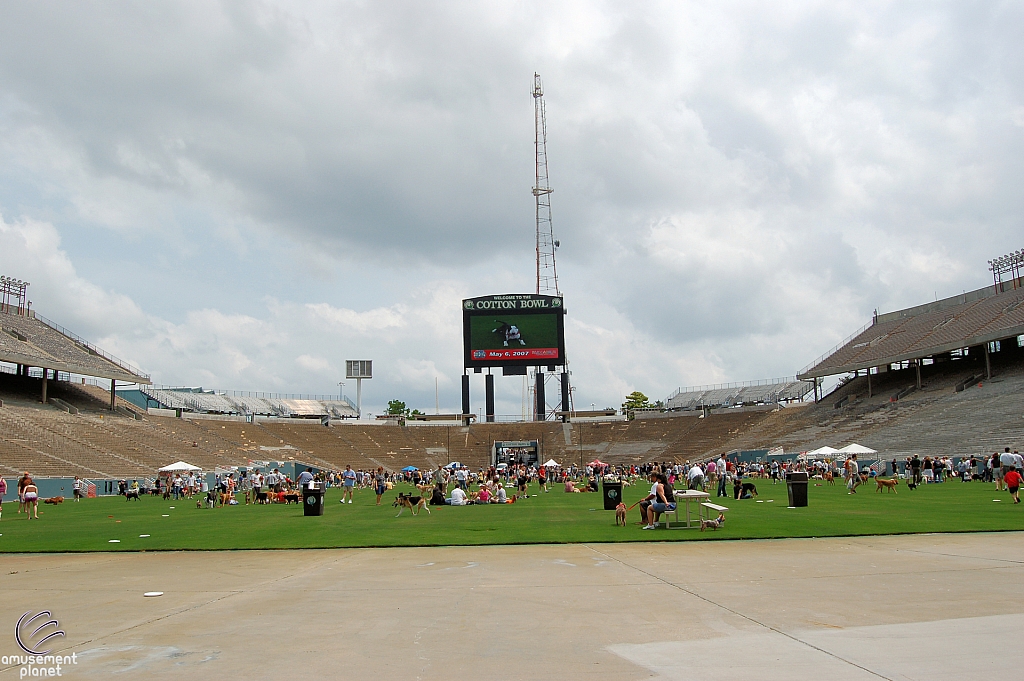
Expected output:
{"points": [[981, 320], [73, 354]]}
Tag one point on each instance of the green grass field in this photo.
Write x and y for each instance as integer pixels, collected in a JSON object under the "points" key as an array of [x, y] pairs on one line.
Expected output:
{"points": [[555, 517]]}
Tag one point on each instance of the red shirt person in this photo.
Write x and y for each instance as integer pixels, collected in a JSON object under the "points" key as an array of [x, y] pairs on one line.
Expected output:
{"points": [[1013, 479]]}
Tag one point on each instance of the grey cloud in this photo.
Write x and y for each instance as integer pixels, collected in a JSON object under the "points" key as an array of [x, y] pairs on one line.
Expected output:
{"points": [[859, 138]]}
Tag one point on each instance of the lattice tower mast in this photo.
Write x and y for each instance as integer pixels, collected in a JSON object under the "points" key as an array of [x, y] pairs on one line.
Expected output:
{"points": [[547, 275]]}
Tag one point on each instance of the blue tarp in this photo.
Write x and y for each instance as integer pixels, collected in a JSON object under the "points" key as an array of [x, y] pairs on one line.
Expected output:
{"points": [[408, 469]]}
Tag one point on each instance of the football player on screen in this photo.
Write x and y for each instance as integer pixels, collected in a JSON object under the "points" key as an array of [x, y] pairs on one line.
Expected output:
{"points": [[509, 332]]}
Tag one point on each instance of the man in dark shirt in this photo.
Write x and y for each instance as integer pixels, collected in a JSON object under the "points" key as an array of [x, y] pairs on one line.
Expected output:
{"points": [[915, 467]]}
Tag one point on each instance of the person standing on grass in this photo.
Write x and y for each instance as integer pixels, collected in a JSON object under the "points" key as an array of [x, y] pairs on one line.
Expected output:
{"points": [[1013, 480], [76, 488], [380, 483], [441, 479], [723, 475], [3, 491], [997, 471], [1006, 461], [852, 474], [256, 484], [30, 494], [348, 479], [22, 481], [915, 468]]}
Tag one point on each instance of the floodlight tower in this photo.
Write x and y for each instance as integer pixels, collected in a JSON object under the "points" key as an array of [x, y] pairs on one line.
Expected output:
{"points": [[547, 276]]}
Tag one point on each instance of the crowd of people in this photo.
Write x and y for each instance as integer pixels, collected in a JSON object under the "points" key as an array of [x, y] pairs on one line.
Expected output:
{"points": [[458, 485]]}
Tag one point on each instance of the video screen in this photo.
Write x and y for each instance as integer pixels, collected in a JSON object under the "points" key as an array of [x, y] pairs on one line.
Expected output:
{"points": [[511, 337]]}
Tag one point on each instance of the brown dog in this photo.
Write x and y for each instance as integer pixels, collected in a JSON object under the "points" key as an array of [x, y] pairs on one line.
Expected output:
{"points": [[54, 500], [620, 514], [414, 504], [829, 478], [712, 523], [887, 484]]}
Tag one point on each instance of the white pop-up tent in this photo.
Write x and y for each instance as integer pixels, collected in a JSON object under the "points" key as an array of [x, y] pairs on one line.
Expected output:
{"points": [[551, 463], [821, 452], [856, 449], [179, 467]]}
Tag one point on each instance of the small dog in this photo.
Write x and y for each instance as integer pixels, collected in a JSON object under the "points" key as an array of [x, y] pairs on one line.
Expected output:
{"points": [[887, 484], [290, 497], [131, 494], [829, 478], [407, 501], [54, 500], [261, 498], [425, 490], [911, 484], [620, 514], [712, 524]]}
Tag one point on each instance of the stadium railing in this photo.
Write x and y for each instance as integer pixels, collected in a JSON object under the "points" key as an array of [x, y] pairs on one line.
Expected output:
{"points": [[90, 347]]}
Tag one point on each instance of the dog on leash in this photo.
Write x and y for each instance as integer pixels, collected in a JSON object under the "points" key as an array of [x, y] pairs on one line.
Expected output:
{"points": [[54, 500], [408, 501], [712, 524], [620, 514], [887, 484]]}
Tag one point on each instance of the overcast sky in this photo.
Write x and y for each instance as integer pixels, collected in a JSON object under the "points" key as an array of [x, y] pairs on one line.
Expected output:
{"points": [[242, 195]]}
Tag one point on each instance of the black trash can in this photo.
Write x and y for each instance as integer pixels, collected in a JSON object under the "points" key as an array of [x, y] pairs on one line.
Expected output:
{"points": [[312, 500], [612, 494], [796, 485]]}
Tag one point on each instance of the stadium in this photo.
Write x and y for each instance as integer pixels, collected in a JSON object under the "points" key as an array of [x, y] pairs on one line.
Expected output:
{"points": [[924, 381], [218, 204], [930, 379]]}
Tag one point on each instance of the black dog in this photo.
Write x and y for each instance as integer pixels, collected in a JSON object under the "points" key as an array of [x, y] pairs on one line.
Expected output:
{"points": [[131, 494]]}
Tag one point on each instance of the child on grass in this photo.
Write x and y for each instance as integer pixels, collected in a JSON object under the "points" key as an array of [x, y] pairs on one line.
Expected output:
{"points": [[1013, 479]]}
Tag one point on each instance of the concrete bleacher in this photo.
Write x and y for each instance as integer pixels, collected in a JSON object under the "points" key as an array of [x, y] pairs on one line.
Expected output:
{"points": [[201, 401], [759, 392], [934, 420]]}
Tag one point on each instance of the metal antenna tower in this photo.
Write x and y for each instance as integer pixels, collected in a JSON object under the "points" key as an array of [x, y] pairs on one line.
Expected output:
{"points": [[547, 276]]}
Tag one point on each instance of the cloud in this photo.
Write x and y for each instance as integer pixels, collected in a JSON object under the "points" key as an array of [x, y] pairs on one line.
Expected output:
{"points": [[246, 194]]}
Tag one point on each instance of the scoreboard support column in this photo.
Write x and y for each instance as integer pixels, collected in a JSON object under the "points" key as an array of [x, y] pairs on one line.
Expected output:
{"points": [[565, 396], [489, 396], [465, 398], [539, 392]]}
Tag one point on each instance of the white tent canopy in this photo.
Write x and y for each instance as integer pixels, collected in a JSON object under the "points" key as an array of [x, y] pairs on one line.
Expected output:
{"points": [[856, 449], [551, 463], [823, 451], [179, 467]]}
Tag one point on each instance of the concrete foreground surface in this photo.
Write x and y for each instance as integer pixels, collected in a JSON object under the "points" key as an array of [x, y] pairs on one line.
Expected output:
{"points": [[909, 607]]}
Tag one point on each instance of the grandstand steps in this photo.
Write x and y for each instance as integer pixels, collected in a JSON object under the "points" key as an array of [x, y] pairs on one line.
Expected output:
{"points": [[52, 448]]}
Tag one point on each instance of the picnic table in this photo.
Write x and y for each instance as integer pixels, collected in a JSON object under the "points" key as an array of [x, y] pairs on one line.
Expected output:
{"points": [[686, 496]]}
